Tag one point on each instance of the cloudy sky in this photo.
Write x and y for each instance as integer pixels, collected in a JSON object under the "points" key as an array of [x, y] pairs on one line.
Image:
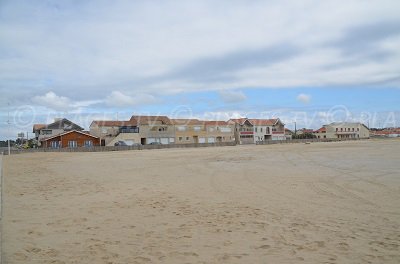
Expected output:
{"points": [[305, 61]]}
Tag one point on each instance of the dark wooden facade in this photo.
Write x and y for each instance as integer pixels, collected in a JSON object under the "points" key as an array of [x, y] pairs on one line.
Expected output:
{"points": [[71, 139]]}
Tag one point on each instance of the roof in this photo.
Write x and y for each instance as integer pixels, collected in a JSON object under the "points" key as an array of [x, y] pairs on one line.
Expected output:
{"points": [[322, 129], [72, 131], [256, 121], [187, 121], [150, 120], [37, 127], [113, 123], [347, 124], [263, 122], [239, 121], [62, 123]]}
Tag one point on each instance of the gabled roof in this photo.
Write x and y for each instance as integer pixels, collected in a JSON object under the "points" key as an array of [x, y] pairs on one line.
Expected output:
{"points": [[264, 122], [239, 121], [65, 133], [113, 123], [150, 120], [63, 123], [322, 129]]}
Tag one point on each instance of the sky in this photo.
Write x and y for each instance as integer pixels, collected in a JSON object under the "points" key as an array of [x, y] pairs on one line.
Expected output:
{"points": [[309, 62]]}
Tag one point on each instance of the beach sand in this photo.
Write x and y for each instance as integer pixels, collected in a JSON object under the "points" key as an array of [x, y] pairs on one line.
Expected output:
{"points": [[292, 203]]}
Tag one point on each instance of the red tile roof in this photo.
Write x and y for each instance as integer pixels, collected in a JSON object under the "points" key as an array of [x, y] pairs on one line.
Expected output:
{"points": [[107, 123], [321, 130], [38, 127], [263, 122], [148, 120]]}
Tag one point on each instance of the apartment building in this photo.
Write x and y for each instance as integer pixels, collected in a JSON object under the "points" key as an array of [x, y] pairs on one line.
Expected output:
{"points": [[344, 130], [249, 131], [189, 131], [219, 131], [111, 132], [157, 129]]}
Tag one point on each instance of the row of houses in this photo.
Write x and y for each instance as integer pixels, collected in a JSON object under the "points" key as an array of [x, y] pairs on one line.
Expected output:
{"points": [[146, 130]]}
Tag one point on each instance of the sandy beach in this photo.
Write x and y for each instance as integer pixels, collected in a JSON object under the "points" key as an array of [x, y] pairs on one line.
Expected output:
{"points": [[292, 203]]}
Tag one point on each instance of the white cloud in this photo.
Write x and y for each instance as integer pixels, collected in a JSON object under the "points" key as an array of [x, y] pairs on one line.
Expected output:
{"points": [[232, 96], [304, 98], [52, 101], [119, 99]]}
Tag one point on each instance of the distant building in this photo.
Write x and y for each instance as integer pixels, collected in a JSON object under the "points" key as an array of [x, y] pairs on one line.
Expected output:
{"points": [[249, 131], [70, 139], [60, 125], [343, 130], [111, 132]]}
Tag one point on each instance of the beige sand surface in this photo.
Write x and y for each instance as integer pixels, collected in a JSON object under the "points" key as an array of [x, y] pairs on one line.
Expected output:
{"points": [[298, 203]]}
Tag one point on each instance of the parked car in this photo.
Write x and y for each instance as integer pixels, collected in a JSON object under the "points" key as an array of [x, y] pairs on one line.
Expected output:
{"points": [[128, 143], [155, 143]]}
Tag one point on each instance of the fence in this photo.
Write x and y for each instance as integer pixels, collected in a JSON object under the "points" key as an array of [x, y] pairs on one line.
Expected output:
{"points": [[167, 146], [120, 148], [268, 142]]}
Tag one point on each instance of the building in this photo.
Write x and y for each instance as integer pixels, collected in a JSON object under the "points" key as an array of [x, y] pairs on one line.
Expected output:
{"points": [[243, 131], [59, 126], [320, 133], [111, 132], [155, 129], [219, 131], [189, 131], [344, 130], [70, 139], [249, 131]]}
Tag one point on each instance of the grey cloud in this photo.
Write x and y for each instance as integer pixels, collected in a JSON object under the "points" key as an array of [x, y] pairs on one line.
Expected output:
{"points": [[223, 67], [363, 41]]}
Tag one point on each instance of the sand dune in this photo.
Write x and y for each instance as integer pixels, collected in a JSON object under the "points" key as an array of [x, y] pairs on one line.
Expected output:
{"points": [[317, 203]]}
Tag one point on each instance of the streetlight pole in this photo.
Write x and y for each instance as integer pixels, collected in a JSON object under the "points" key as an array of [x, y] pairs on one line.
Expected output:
{"points": [[8, 130]]}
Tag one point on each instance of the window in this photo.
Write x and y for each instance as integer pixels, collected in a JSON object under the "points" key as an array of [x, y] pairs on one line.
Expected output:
{"points": [[104, 130], [72, 144], [226, 129], [325, 136], [88, 143], [353, 128], [196, 128], [211, 129], [181, 128], [129, 129], [261, 130], [47, 132], [180, 138], [337, 129], [358, 129], [187, 138], [255, 129], [341, 129], [55, 144]]}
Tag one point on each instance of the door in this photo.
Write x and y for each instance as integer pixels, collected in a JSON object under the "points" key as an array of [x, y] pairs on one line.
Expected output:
{"points": [[195, 139]]}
